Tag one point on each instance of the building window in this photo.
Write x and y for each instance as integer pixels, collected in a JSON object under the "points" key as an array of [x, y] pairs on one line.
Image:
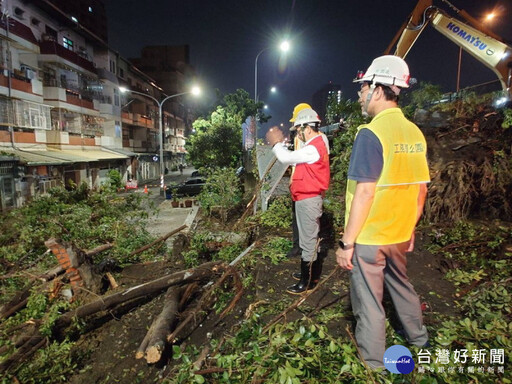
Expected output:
{"points": [[35, 21], [121, 73], [67, 43], [90, 9], [118, 128], [112, 66], [116, 97]]}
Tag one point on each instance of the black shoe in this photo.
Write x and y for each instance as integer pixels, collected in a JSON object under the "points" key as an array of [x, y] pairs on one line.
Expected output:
{"points": [[296, 275], [304, 284]]}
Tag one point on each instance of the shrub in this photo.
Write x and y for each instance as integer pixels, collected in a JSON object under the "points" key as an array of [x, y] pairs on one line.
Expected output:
{"points": [[221, 191]]}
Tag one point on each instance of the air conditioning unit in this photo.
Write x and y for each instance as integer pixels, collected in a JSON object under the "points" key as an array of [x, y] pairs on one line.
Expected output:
{"points": [[28, 72]]}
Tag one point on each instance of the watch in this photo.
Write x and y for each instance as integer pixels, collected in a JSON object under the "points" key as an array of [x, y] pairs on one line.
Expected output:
{"points": [[345, 246]]}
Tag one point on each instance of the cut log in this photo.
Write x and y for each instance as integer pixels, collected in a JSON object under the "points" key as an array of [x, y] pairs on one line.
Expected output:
{"points": [[139, 354], [103, 303], [162, 326]]}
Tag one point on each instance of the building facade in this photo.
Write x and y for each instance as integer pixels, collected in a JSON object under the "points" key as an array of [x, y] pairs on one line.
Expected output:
{"points": [[63, 119], [321, 97]]}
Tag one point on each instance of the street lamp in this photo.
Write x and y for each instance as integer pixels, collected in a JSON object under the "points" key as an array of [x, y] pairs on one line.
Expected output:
{"points": [[284, 47], [195, 91]]}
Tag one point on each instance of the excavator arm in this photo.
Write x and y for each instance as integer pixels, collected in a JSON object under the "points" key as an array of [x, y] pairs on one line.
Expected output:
{"points": [[482, 44]]}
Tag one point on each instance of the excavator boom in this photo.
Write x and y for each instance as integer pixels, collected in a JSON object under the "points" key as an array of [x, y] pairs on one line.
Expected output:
{"points": [[482, 44]]}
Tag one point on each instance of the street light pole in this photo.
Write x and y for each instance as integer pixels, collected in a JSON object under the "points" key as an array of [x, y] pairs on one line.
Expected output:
{"points": [[160, 126], [284, 46], [256, 74]]}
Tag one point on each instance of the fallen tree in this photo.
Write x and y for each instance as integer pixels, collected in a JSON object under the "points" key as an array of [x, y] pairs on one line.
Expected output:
{"points": [[32, 339], [103, 303]]}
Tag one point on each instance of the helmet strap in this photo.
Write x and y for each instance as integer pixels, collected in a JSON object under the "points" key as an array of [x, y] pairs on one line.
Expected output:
{"points": [[368, 98]]}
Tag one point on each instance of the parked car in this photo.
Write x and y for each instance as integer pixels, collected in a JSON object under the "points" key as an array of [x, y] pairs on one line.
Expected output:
{"points": [[195, 174], [191, 187]]}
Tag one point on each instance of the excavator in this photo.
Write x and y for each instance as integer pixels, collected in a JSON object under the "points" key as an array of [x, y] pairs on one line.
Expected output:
{"points": [[487, 47]]}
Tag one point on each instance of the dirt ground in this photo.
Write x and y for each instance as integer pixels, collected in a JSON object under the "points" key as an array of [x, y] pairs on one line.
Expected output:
{"points": [[109, 349]]}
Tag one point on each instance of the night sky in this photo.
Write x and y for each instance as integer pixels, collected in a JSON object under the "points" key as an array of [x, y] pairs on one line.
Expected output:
{"points": [[331, 41]]}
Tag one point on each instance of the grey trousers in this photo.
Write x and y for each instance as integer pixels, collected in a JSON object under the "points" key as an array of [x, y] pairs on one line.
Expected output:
{"points": [[307, 213], [375, 266]]}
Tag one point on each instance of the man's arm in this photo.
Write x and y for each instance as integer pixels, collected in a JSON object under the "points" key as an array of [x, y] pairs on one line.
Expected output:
{"points": [[361, 204], [307, 154]]}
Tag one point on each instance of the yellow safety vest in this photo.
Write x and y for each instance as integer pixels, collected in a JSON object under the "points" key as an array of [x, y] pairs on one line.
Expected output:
{"points": [[392, 217]]}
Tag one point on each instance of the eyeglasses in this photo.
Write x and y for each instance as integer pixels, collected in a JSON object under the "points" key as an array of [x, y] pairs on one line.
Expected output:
{"points": [[360, 93]]}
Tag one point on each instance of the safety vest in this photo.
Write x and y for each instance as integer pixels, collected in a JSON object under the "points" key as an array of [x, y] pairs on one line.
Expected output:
{"points": [[393, 213], [311, 180]]}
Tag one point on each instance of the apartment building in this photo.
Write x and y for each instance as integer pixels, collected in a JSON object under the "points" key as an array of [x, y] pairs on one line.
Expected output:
{"points": [[63, 119]]}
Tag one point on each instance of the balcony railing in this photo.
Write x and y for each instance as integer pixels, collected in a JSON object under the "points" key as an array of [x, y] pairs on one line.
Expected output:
{"points": [[18, 29], [52, 48]]}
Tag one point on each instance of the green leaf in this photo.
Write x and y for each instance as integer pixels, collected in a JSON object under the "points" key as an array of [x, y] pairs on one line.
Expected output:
{"points": [[176, 352], [345, 368]]}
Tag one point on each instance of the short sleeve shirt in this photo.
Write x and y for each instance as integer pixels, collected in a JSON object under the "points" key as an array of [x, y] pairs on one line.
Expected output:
{"points": [[366, 158]]}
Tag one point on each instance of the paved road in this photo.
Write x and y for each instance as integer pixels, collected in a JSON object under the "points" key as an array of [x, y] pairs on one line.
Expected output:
{"points": [[168, 218]]}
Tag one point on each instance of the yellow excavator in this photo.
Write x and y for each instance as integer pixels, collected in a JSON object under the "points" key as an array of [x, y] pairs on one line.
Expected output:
{"points": [[470, 35]]}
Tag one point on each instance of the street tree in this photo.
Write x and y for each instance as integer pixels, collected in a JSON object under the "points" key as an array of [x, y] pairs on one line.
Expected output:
{"points": [[217, 139]]}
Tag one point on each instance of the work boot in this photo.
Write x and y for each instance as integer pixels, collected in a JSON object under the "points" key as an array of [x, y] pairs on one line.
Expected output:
{"points": [[318, 263], [304, 284]]}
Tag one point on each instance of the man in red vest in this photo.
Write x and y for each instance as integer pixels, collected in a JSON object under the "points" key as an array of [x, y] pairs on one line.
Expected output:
{"points": [[309, 182]]}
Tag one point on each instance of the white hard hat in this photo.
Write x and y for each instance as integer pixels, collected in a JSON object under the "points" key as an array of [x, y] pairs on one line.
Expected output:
{"points": [[306, 116], [386, 70]]}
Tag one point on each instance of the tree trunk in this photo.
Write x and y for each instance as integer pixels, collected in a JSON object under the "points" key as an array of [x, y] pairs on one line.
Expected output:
{"points": [[103, 303], [162, 326]]}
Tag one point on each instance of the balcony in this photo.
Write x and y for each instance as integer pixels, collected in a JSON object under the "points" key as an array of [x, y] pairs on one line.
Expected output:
{"points": [[17, 82], [73, 98], [52, 48], [18, 29]]}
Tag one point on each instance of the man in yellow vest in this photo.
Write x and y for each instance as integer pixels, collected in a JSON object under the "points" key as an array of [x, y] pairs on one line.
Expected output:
{"points": [[386, 192]]}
